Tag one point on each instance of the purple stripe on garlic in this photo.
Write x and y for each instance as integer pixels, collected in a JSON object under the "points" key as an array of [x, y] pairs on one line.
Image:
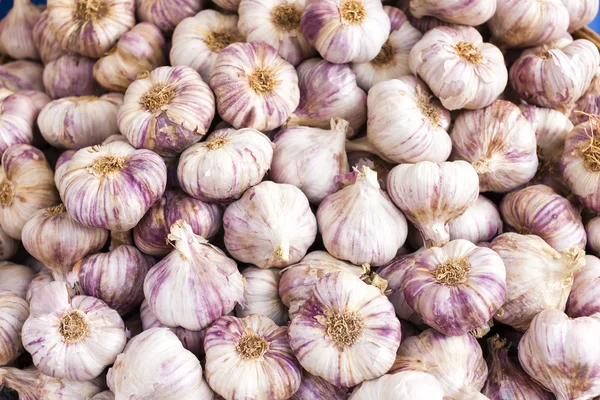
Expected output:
{"points": [[70, 75], [21, 75], [261, 295], [584, 298], [14, 310]]}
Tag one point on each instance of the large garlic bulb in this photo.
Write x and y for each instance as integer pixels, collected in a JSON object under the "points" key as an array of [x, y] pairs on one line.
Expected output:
{"points": [[166, 14], [17, 118], [43, 36], [584, 300], [16, 35], [406, 385], [70, 75], [21, 75], [261, 295], [14, 310], [455, 11]]}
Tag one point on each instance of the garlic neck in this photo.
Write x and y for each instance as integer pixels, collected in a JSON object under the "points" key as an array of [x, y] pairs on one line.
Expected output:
{"points": [[368, 176], [282, 251], [573, 259], [436, 234], [182, 238]]}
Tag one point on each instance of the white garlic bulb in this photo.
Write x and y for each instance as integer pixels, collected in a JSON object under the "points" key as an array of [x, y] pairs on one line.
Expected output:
{"points": [[166, 14], [479, 223], [21, 75], [261, 295], [455, 11], [460, 69], [14, 310], [16, 35], [17, 117], [70, 75], [406, 385], [43, 36]]}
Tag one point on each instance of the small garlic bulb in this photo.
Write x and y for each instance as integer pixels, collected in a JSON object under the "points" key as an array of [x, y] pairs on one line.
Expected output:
{"points": [[17, 118], [198, 40], [26, 185], [78, 122], [592, 229], [15, 277], [460, 69], [16, 36], [21, 75], [90, 27], [406, 385], [346, 30], [137, 180], [537, 277], [538, 210], [479, 223], [167, 111], [255, 350], [271, 225], [431, 195], [311, 158], [71, 337], [8, 246], [588, 103], [14, 310], [166, 14], [583, 299], [70, 75], [581, 12], [155, 365], [261, 295], [395, 275], [559, 353], [43, 36], [499, 143], [313, 387], [351, 325], [254, 86], [224, 166], [463, 12]]}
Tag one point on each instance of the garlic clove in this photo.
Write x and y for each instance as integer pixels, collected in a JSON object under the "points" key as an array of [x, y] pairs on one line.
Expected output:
{"points": [[479, 223], [581, 12], [313, 387], [409, 385], [17, 118], [70, 75], [21, 75], [43, 36], [261, 295], [14, 310], [166, 14], [461, 12], [583, 299], [16, 36]]}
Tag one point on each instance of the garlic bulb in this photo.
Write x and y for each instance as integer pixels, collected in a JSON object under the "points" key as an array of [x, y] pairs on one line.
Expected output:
{"points": [[460, 69], [311, 159], [255, 350], [43, 36], [15, 277], [255, 88], [170, 286], [62, 162], [431, 195], [137, 180], [90, 27], [555, 78], [556, 352], [40, 279], [583, 299], [17, 117], [499, 143], [166, 14], [463, 12], [13, 312], [313, 387], [16, 36], [158, 112], [261, 295], [347, 30], [26, 185], [150, 234], [359, 159], [479, 223], [456, 362], [395, 275], [351, 325], [224, 166], [198, 40], [155, 365], [581, 12], [71, 337], [409, 385], [592, 229], [537, 277], [392, 60], [271, 225], [328, 91], [506, 379], [70, 75], [21, 75], [78, 122], [588, 103], [277, 23], [8, 246], [538, 210]]}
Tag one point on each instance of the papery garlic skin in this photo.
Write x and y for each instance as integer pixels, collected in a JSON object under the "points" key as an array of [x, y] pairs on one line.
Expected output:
{"points": [[261, 295], [26, 185], [70, 75], [16, 36], [500, 144], [395, 275], [460, 69], [168, 111], [556, 352], [347, 30], [137, 180], [78, 122], [162, 369], [256, 350], [409, 385], [17, 117], [8, 246], [14, 310], [166, 14], [455, 11], [480, 222], [254, 86], [271, 225], [592, 229], [581, 12], [537, 277], [224, 166], [447, 189], [21, 75], [584, 299], [364, 349], [90, 29], [538, 210], [15, 277], [73, 338], [43, 36], [312, 387]]}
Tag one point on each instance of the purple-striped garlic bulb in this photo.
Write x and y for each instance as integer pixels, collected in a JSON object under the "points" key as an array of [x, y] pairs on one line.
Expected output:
{"points": [[537, 277], [171, 285], [406, 385], [221, 168], [150, 234], [559, 353], [592, 229], [139, 50], [17, 119], [538, 210], [499, 143], [167, 111], [71, 337], [26, 185], [349, 323], [313, 387], [8, 246], [311, 158], [433, 194], [166, 14], [479, 223], [460, 69], [261, 295], [78, 122], [43, 36], [588, 104], [345, 31], [584, 298], [463, 12], [70, 75], [14, 310], [137, 180], [254, 86], [271, 225], [255, 349], [395, 275], [15, 277], [22, 75], [16, 35], [198, 40], [328, 91], [360, 223], [581, 12]]}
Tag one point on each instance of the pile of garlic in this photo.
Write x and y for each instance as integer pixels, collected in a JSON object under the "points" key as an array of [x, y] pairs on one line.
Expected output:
{"points": [[299, 199]]}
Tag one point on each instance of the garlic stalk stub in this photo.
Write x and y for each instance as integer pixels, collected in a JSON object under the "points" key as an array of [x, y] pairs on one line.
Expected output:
{"points": [[70, 75], [17, 117], [21, 75], [463, 12], [166, 14], [261, 295], [43, 36], [256, 350], [16, 35], [395, 275], [581, 12], [583, 299], [351, 325], [313, 387], [14, 310], [409, 385], [479, 223]]}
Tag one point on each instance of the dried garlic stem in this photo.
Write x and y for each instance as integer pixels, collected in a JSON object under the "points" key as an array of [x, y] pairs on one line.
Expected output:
{"points": [[286, 17], [468, 52], [251, 347], [72, 327], [452, 272], [59, 209], [352, 12], [218, 40], [386, 54], [344, 328], [7, 193], [157, 97]]}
